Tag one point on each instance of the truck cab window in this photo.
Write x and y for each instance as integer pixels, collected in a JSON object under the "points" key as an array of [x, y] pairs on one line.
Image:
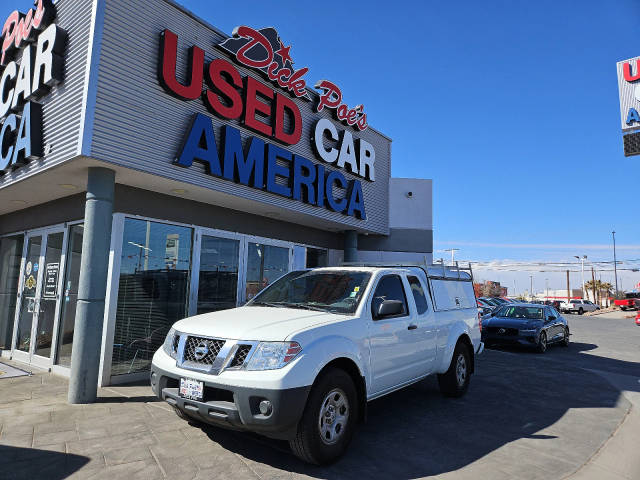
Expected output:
{"points": [[389, 288], [418, 294]]}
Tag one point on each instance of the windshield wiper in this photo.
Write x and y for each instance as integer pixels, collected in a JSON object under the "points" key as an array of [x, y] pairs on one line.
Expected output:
{"points": [[306, 306], [272, 304], [301, 306]]}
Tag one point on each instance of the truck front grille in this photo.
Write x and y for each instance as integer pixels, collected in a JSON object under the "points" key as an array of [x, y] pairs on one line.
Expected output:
{"points": [[502, 331], [241, 355], [202, 350]]}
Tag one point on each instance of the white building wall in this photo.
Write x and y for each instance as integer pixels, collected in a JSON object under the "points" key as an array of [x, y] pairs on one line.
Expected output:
{"points": [[411, 203]]}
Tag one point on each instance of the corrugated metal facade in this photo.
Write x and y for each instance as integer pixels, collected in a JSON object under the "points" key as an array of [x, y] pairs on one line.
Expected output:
{"points": [[62, 107], [138, 125]]}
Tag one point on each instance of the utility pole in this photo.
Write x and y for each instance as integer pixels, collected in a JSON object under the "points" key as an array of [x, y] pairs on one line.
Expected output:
{"points": [[453, 251], [568, 289], [615, 262], [582, 259], [593, 284]]}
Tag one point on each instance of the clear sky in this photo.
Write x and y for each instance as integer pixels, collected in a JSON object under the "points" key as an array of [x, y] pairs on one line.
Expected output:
{"points": [[511, 107]]}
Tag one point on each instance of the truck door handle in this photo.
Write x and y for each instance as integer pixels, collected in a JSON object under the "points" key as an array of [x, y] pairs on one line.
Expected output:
{"points": [[412, 327]]}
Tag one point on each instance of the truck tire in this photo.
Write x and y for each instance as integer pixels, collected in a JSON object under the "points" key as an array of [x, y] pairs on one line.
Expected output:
{"points": [[455, 381], [580, 311], [328, 421]]}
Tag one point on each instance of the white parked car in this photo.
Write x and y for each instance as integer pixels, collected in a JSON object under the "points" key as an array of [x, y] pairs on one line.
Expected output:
{"points": [[578, 306], [301, 360]]}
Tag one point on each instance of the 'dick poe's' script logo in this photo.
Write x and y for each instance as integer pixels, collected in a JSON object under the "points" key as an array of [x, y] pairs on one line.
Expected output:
{"points": [[31, 56], [265, 51]]}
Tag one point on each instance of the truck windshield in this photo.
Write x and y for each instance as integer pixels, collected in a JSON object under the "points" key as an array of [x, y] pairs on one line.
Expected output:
{"points": [[330, 291], [520, 312]]}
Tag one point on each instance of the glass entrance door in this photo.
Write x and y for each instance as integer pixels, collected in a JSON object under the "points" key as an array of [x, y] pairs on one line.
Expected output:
{"points": [[39, 297], [218, 274]]}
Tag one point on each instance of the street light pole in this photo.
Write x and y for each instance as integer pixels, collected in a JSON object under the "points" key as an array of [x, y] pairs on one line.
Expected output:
{"points": [[531, 291], [453, 251], [582, 259], [546, 282], [615, 262]]}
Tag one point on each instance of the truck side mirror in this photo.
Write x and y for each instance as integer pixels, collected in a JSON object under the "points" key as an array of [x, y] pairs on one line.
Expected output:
{"points": [[389, 308]]}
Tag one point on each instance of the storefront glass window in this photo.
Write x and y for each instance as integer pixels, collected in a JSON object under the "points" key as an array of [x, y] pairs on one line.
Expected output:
{"points": [[316, 257], [10, 256], [70, 296], [265, 264], [153, 291], [218, 279]]}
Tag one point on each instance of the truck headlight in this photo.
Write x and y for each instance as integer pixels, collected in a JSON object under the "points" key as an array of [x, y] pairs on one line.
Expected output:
{"points": [[170, 344], [273, 355]]}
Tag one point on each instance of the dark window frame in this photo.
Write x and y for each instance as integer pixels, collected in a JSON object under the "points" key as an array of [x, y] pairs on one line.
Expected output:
{"points": [[374, 316], [426, 302]]}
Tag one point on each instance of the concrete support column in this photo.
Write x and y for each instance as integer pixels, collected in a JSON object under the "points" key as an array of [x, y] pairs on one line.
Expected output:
{"points": [[350, 246], [87, 336]]}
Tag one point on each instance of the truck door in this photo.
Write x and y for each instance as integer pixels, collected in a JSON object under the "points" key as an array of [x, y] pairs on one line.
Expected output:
{"points": [[393, 352], [425, 334]]}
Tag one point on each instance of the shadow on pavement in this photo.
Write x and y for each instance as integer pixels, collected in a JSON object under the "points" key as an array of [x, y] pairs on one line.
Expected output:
{"points": [[416, 432], [576, 356], [34, 464]]}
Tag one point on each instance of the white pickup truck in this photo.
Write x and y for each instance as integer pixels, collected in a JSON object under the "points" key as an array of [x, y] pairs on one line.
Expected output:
{"points": [[578, 306], [301, 360]]}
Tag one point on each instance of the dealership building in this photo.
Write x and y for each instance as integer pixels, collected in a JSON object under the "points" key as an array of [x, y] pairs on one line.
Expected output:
{"points": [[153, 167]]}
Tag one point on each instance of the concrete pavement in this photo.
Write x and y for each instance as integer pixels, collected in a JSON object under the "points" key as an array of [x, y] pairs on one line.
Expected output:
{"points": [[526, 416]]}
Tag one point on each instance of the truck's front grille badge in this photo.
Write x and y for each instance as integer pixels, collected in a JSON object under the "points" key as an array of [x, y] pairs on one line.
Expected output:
{"points": [[202, 350]]}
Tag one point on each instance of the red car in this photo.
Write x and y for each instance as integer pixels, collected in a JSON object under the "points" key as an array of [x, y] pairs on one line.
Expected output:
{"points": [[638, 319]]}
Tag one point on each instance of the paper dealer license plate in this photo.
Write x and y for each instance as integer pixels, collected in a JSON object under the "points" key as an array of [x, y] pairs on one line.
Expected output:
{"points": [[191, 389]]}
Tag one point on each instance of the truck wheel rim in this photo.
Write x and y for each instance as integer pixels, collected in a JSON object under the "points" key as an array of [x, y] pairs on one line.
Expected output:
{"points": [[334, 415], [461, 370]]}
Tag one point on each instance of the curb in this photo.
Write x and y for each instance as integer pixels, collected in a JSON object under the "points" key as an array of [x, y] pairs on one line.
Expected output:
{"points": [[617, 458]]}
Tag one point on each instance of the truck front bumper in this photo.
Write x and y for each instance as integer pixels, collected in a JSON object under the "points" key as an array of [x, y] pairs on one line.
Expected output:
{"points": [[234, 407]]}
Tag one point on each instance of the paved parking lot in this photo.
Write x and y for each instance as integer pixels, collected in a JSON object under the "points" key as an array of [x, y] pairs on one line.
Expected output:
{"points": [[525, 416]]}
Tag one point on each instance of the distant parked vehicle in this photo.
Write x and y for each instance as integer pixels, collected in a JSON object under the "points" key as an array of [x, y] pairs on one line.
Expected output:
{"points": [[501, 300], [630, 302], [484, 304], [528, 325], [578, 306], [494, 302]]}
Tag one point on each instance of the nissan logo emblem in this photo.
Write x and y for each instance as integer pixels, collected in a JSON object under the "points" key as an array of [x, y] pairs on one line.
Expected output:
{"points": [[201, 351], [501, 331]]}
